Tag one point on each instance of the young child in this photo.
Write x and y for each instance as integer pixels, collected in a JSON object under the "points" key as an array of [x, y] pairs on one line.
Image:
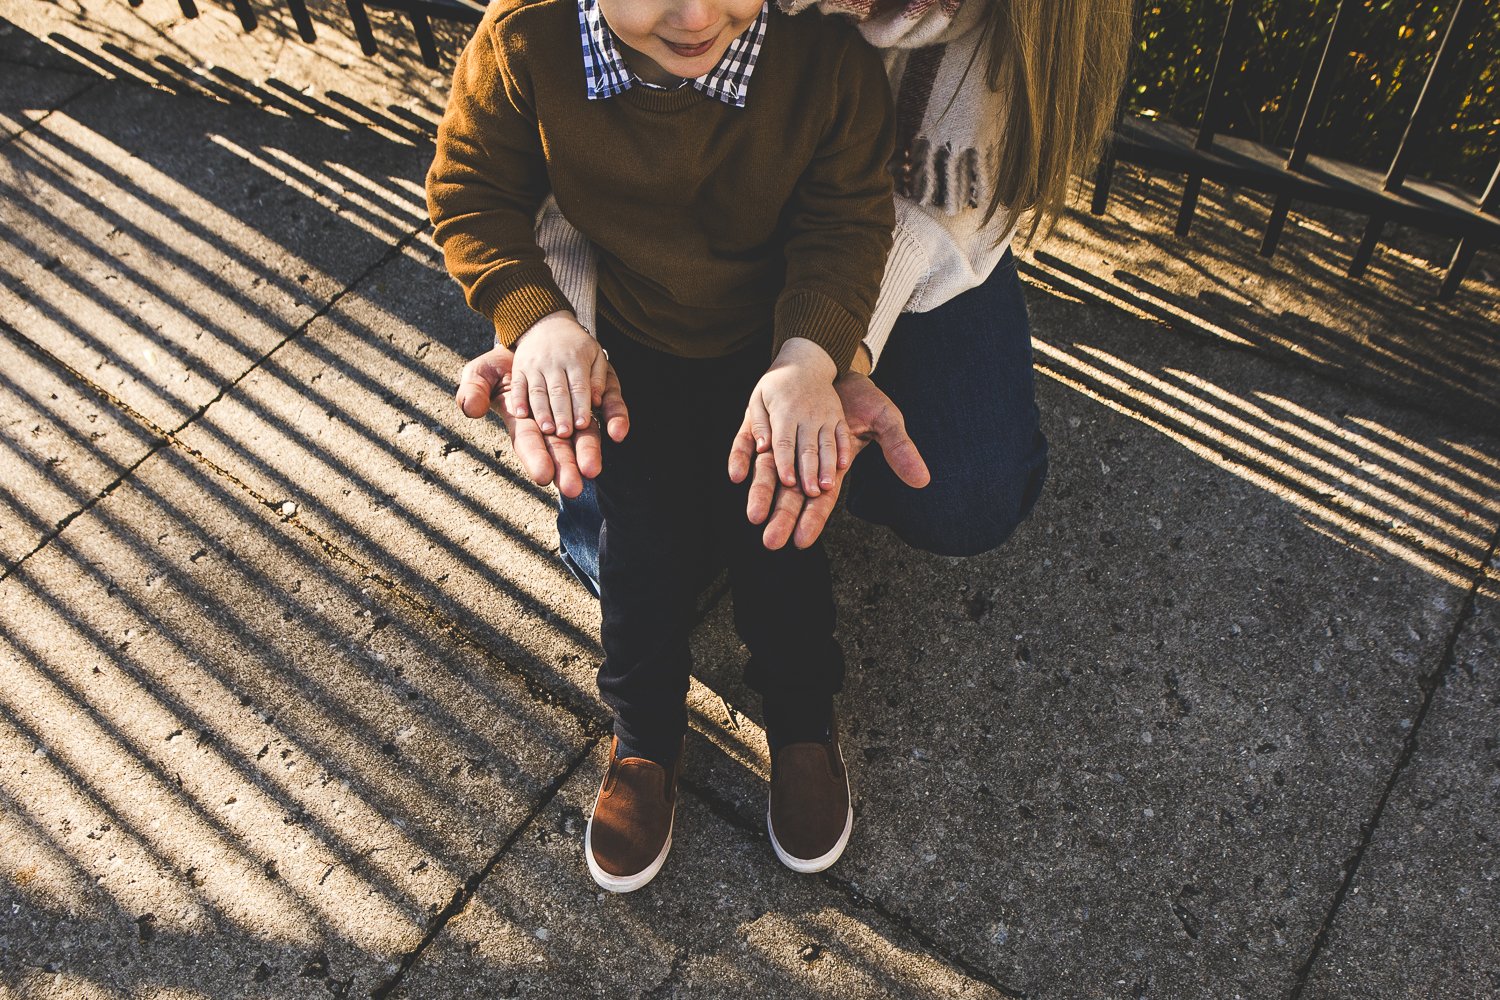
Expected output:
{"points": [[729, 163]]}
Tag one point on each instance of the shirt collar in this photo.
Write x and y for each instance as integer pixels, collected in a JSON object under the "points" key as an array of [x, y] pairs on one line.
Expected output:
{"points": [[608, 75]]}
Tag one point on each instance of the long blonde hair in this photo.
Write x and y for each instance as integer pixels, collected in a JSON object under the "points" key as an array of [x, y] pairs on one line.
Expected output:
{"points": [[1062, 63]]}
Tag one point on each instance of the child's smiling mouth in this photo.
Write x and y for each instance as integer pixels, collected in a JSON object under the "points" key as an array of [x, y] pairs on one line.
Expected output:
{"points": [[689, 51]]}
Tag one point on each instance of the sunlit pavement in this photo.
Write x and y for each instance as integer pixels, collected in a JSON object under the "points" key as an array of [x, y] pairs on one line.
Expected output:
{"points": [[296, 700]]}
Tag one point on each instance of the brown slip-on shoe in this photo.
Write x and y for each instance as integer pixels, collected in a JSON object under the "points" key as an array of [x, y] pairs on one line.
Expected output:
{"points": [[630, 832], [810, 814]]}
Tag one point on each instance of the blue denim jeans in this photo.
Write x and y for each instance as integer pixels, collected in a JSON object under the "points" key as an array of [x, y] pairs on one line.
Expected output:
{"points": [[961, 376]]}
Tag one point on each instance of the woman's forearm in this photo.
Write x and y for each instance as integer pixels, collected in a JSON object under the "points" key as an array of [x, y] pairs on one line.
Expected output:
{"points": [[572, 259]]}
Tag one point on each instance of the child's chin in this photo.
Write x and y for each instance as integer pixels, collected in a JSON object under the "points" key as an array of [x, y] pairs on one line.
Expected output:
{"points": [[694, 67]]}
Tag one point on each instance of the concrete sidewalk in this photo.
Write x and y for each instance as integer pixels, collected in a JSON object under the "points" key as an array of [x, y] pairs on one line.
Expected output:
{"points": [[296, 700]]}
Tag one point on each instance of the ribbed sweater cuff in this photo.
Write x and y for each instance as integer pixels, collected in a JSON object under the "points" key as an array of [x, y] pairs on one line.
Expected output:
{"points": [[822, 321], [517, 299], [906, 271]]}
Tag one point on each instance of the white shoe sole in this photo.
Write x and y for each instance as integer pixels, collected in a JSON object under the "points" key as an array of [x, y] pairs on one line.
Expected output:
{"points": [[623, 883], [805, 865]]}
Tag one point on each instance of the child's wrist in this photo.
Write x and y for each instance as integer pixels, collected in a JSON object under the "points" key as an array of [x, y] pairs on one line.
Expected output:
{"points": [[550, 320], [806, 354]]}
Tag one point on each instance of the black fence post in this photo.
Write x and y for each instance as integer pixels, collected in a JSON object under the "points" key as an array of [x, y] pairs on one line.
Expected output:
{"points": [[1367, 244], [1463, 256], [1460, 28], [425, 42], [246, 14], [1312, 116], [362, 30], [1230, 46], [1103, 177], [1104, 174], [302, 20]]}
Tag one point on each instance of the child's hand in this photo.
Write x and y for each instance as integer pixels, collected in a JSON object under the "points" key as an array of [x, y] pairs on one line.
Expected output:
{"points": [[547, 458], [796, 414], [558, 377]]}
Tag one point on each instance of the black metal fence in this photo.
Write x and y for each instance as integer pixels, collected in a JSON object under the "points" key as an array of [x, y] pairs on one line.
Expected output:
{"points": [[1302, 173]]}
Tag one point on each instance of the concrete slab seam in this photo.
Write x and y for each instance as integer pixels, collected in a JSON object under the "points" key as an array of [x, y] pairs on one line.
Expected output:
{"points": [[391, 253], [591, 720], [757, 830], [61, 70], [1430, 684], [163, 435], [594, 725], [34, 125], [465, 892], [163, 438]]}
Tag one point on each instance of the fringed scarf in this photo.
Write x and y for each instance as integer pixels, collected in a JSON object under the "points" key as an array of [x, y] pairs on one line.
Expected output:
{"points": [[947, 123]]}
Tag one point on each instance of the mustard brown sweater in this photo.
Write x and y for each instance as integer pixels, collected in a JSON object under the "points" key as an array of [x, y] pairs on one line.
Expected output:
{"points": [[715, 225]]}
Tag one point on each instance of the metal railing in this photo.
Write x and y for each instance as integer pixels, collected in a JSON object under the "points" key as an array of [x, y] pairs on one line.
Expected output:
{"points": [[1298, 174]]}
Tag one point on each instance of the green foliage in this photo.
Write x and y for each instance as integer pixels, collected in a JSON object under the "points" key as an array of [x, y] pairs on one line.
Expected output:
{"points": [[1380, 74]]}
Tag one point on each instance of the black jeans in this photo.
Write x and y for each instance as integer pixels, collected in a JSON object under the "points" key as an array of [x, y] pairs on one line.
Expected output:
{"points": [[671, 515]]}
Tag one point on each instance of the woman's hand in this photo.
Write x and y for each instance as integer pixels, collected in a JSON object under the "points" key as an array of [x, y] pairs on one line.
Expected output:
{"points": [[790, 515], [544, 457]]}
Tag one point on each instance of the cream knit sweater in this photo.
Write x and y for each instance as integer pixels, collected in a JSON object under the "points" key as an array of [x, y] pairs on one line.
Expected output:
{"points": [[947, 132]]}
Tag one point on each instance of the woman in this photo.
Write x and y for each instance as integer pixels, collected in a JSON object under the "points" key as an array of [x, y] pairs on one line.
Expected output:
{"points": [[998, 104]]}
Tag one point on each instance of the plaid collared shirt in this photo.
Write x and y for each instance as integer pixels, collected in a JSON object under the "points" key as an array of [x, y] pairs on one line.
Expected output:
{"points": [[608, 75]]}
